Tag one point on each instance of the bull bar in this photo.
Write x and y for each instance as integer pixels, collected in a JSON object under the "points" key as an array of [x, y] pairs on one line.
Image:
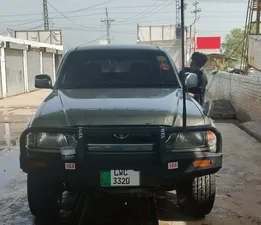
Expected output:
{"points": [[82, 132]]}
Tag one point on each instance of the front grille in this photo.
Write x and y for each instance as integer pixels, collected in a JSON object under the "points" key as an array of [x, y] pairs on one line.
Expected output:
{"points": [[121, 142]]}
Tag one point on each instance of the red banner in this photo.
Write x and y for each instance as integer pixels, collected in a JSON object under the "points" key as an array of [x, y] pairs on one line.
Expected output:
{"points": [[208, 42]]}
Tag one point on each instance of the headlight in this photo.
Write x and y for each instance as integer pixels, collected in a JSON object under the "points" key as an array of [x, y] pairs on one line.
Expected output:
{"points": [[50, 140], [190, 140], [205, 141]]}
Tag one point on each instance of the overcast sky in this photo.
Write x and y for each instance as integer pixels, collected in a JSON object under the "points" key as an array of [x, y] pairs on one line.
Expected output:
{"points": [[80, 20]]}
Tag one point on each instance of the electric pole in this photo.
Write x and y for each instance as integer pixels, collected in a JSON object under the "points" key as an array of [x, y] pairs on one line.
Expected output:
{"points": [[177, 13], [45, 15], [196, 11], [107, 22], [252, 27]]}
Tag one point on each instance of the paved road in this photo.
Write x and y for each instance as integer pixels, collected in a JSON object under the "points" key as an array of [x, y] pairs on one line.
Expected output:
{"points": [[238, 183]]}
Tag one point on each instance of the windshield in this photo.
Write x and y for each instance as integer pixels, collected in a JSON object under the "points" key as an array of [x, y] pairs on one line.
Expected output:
{"points": [[88, 69]]}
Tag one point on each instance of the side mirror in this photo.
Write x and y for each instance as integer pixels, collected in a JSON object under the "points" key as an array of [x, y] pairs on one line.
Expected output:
{"points": [[43, 81], [191, 80]]}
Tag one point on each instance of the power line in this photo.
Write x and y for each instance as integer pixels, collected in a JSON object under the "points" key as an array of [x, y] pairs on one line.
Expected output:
{"points": [[143, 11], [99, 38], [107, 22], [212, 16], [90, 7], [73, 11], [66, 16], [207, 14], [146, 14], [117, 7], [21, 24], [59, 12]]}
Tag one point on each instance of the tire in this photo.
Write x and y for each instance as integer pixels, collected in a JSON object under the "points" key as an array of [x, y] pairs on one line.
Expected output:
{"points": [[42, 196], [196, 198]]}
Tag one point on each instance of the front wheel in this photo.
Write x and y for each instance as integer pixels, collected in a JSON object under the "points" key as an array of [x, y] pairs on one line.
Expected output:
{"points": [[197, 197], [42, 195]]}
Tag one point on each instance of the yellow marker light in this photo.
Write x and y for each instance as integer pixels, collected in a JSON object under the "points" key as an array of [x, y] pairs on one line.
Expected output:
{"points": [[191, 94], [202, 163]]}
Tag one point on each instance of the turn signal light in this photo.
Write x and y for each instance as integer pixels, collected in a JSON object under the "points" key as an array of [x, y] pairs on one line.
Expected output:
{"points": [[202, 163]]}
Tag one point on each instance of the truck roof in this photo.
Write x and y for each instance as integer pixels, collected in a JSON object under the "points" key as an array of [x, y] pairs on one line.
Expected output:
{"points": [[127, 47]]}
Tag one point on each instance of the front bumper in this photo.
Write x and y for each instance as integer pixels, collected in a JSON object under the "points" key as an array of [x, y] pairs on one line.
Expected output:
{"points": [[155, 172]]}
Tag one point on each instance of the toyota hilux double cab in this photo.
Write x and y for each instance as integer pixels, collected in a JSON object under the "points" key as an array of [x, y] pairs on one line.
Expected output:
{"points": [[114, 123]]}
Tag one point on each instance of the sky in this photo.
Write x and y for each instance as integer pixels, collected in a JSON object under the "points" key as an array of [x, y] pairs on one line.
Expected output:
{"points": [[80, 20]]}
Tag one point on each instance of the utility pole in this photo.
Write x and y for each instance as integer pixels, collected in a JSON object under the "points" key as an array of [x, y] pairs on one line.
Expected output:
{"points": [[45, 15], [196, 11], [108, 22], [177, 13], [252, 27]]}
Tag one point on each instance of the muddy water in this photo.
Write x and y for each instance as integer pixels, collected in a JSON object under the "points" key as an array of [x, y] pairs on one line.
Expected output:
{"points": [[9, 154]]}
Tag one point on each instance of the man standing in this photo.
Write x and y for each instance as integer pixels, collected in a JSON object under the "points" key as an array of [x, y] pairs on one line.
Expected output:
{"points": [[198, 60]]}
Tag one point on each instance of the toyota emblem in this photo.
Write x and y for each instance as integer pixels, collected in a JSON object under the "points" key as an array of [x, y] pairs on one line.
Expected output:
{"points": [[121, 136]]}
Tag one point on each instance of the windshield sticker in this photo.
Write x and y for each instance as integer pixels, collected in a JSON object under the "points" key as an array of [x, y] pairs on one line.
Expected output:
{"points": [[161, 58], [164, 65]]}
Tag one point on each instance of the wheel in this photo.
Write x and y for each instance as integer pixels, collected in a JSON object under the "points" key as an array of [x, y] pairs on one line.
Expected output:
{"points": [[197, 197], [42, 195]]}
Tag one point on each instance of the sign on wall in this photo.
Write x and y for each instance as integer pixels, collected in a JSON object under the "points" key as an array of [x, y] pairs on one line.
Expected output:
{"points": [[208, 43]]}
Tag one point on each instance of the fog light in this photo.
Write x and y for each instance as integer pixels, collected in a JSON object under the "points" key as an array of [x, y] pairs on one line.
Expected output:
{"points": [[68, 152]]}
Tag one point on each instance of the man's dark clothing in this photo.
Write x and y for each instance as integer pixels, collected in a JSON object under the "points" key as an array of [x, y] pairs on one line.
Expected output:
{"points": [[198, 91]]}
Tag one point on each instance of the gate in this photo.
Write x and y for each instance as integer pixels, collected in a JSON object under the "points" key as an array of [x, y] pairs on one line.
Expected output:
{"points": [[14, 72], [33, 67]]}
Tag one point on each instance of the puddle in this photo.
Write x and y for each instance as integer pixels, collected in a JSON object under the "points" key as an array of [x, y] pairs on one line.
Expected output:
{"points": [[227, 169], [224, 213], [9, 154], [9, 135], [225, 190], [16, 114]]}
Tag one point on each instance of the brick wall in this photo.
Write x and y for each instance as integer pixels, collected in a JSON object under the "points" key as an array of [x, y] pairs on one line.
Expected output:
{"points": [[243, 92]]}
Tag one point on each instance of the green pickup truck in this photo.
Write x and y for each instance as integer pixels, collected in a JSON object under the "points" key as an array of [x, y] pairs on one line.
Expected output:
{"points": [[113, 124]]}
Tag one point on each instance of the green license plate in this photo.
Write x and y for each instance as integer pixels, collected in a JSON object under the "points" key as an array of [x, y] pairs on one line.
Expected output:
{"points": [[120, 178]]}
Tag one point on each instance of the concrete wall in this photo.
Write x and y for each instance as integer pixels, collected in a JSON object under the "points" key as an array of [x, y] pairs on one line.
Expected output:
{"points": [[21, 60], [243, 92]]}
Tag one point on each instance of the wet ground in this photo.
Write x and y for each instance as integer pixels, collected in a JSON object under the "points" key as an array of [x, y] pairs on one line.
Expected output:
{"points": [[238, 183]]}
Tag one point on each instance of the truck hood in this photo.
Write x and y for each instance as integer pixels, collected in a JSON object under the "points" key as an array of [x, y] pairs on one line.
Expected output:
{"points": [[126, 106]]}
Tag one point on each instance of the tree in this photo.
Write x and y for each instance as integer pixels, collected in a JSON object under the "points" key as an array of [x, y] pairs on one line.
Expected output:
{"points": [[233, 44]]}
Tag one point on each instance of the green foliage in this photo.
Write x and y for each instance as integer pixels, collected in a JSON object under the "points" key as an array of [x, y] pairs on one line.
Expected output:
{"points": [[233, 44]]}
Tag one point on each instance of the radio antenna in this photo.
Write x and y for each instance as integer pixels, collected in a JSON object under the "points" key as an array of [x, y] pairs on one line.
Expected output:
{"points": [[183, 61]]}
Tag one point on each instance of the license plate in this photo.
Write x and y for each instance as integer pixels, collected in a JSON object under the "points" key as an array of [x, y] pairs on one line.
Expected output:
{"points": [[120, 178]]}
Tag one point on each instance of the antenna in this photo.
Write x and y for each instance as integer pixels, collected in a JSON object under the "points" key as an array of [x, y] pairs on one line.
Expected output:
{"points": [[45, 15], [108, 22], [182, 6]]}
